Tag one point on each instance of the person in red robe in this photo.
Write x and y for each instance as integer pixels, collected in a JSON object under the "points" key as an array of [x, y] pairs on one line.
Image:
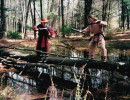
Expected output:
{"points": [[44, 33]]}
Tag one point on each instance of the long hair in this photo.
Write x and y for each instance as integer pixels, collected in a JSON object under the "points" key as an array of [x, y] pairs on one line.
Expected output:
{"points": [[92, 17]]}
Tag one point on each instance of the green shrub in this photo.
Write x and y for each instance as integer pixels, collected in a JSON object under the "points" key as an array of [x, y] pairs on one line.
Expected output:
{"points": [[67, 29], [13, 35], [109, 33], [27, 27], [109, 36]]}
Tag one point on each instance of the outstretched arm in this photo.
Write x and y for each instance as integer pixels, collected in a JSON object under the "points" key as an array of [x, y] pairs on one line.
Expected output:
{"points": [[35, 28], [52, 32], [86, 30]]}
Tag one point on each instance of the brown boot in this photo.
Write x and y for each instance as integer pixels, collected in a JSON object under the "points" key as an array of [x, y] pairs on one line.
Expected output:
{"points": [[104, 58], [92, 57]]}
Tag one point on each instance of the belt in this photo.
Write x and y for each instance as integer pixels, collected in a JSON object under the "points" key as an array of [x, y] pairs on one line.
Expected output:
{"points": [[99, 34]]}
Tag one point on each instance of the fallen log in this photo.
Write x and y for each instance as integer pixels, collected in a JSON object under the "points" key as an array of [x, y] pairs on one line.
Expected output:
{"points": [[122, 67]]}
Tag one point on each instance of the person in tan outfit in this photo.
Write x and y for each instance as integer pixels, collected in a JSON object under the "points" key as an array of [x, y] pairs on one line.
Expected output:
{"points": [[96, 28]]}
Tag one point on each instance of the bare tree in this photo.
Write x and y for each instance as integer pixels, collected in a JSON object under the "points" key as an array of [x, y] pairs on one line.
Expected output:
{"points": [[34, 17], [105, 9], [41, 9], [62, 11], [123, 16], [128, 19], [87, 9], [29, 3], [3, 20], [125, 13]]}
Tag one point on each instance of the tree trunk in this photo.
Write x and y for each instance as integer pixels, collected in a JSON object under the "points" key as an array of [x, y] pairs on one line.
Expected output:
{"points": [[128, 19], [88, 7], [23, 16], [41, 9], [34, 18], [62, 11], [29, 3], [122, 16], [105, 9], [3, 21], [119, 11], [13, 24], [32, 13]]}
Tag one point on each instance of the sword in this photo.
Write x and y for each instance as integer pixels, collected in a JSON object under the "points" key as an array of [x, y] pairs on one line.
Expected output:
{"points": [[42, 28], [78, 31]]}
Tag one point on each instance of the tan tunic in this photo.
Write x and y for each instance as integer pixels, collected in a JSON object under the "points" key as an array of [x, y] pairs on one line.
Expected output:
{"points": [[96, 29]]}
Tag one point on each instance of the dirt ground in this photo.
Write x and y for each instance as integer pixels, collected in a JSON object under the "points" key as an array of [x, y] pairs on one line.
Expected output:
{"points": [[122, 36], [76, 40]]}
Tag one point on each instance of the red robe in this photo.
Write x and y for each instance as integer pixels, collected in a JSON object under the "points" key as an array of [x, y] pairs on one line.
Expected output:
{"points": [[43, 38]]}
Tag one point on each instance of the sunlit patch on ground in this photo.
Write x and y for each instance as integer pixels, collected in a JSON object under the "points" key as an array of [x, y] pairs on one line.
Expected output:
{"points": [[122, 36]]}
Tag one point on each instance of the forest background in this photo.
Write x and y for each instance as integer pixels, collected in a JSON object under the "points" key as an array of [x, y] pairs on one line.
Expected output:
{"points": [[17, 17], [21, 15]]}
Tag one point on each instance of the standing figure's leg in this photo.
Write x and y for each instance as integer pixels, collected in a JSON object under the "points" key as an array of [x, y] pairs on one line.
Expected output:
{"points": [[38, 46], [45, 46], [103, 50], [92, 48]]}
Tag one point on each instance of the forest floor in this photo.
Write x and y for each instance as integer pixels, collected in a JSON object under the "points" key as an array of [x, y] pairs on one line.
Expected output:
{"points": [[75, 41], [122, 36]]}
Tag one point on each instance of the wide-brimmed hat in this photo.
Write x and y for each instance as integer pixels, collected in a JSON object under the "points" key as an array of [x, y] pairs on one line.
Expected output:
{"points": [[44, 20]]}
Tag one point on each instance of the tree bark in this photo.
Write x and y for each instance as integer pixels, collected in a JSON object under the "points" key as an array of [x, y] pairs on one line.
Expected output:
{"points": [[87, 9], [62, 11], [88, 4], [34, 18], [3, 21], [128, 15], [41, 9], [29, 3], [105, 9], [122, 16]]}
